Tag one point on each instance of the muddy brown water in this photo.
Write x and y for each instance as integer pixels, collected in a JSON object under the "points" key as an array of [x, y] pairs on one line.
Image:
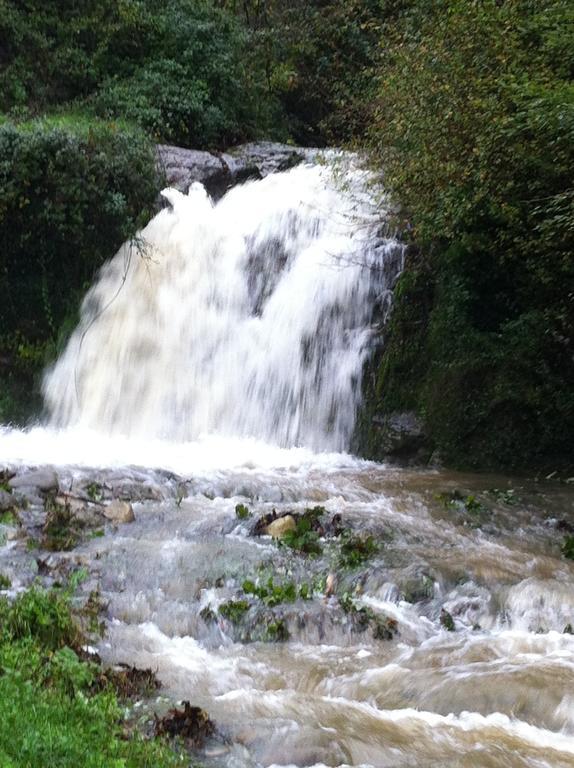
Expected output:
{"points": [[497, 692]]}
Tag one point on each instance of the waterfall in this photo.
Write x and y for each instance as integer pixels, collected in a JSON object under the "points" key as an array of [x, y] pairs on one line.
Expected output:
{"points": [[249, 317]]}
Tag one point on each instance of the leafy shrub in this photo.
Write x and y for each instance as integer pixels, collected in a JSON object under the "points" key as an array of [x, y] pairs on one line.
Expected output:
{"points": [[175, 67], [474, 126], [71, 192]]}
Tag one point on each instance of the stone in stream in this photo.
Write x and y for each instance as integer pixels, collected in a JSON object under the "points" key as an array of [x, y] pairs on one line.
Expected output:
{"points": [[44, 480], [7, 501], [82, 511], [119, 512], [278, 528]]}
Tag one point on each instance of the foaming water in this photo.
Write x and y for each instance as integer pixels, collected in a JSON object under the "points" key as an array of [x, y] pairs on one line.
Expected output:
{"points": [[245, 318], [81, 447]]}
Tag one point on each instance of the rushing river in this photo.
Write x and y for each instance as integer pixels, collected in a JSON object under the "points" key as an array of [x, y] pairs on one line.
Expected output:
{"points": [[222, 367]]}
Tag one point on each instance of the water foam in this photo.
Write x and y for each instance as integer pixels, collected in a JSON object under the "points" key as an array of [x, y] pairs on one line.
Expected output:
{"points": [[245, 318]]}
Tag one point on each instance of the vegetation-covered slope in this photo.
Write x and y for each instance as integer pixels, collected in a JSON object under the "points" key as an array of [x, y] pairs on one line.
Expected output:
{"points": [[468, 107]]}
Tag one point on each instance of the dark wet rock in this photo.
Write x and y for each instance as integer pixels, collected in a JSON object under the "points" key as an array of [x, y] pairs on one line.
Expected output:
{"points": [[218, 172], [128, 682], [184, 166], [266, 157], [402, 437], [190, 723], [61, 531], [134, 492], [44, 480], [7, 501]]}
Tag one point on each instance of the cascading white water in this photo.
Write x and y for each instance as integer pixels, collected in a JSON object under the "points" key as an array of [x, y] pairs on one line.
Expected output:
{"points": [[247, 318]]}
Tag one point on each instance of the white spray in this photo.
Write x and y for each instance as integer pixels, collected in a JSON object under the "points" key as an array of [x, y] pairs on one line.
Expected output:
{"points": [[247, 318]]}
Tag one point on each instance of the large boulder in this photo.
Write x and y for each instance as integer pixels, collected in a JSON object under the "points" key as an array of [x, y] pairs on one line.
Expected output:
{"points": [[43, 480], [402, 437], [220, 171], [119, 512]]}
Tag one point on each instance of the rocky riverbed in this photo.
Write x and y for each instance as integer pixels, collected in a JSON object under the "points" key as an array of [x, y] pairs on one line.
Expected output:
{"points": [[323, 611]]}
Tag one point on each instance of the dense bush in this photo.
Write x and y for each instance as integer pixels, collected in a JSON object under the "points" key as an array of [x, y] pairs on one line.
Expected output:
{"points": [[174, 67], [318, 59], [475, 128], [70, 194]]}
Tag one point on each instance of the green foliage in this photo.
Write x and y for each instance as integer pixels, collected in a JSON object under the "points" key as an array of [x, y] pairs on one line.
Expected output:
{"points": [[276, 630], [9, 517], [50, 712], [176, 68], [568, 547], [234, 610], [242, 512], [355, 549], [95, 491], [61, 531], [382, 627], [474, 124], [303, 538], [69, 197], [274, 594], [317, 61], [40, 616]]}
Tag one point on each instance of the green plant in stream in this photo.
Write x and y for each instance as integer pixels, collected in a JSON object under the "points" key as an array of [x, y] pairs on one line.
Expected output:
{"points": [[505, 496], [447, 621], [274, 594], [61, 531], [234, 610], [95, 491], [242, 512], [568, 547], [363, 618], [9, 517], [276, 630], [306, 535], [356, 549]]}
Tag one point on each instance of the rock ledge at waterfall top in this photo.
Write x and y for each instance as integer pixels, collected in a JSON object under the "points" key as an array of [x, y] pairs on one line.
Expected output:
{"points": [[220, 171]]}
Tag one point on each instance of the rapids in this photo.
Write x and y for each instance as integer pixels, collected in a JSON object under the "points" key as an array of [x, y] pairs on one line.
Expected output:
{"points": [[221, 365]]}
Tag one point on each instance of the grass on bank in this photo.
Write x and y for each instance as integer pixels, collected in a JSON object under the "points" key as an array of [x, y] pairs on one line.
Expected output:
{"points": [[53, 709]]}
